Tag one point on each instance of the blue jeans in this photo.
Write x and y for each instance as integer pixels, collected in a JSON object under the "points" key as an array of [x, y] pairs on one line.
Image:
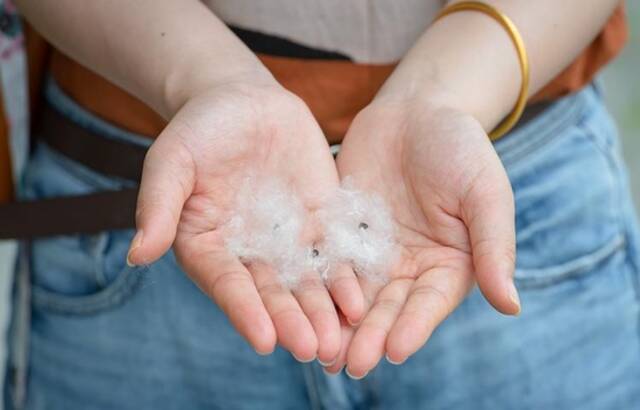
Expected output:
{"points": [[101, 335]]}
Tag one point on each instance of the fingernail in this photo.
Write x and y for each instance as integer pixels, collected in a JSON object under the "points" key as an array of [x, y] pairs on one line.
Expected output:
{"points": [[331, 363], [392, 362], [303, 361], [135, 244], [354, 324], [514, 297], [266, 353], [354, 377], [331, 373]]}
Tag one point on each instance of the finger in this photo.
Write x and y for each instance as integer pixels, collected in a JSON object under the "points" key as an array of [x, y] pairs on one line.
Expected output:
{"points": [[368, 344], [346, 292], [432, 298], [370, 291], [317, 305], [168, 177], [294, 331], [224, 279], [488, 211], [347, 331], [342, 282]]}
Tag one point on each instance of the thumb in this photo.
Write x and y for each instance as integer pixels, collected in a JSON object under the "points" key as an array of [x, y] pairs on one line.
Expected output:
{"points": [[168, 178], [488, 211]]}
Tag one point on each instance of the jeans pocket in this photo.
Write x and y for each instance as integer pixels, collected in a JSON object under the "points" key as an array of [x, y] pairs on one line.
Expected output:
{"points": [[77, 274], [568, 201], [82, 274]]}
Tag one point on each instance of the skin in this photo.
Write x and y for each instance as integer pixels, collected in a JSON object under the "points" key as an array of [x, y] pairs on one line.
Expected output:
{"points": [[187, 192], [444, 231], [421, 144]]}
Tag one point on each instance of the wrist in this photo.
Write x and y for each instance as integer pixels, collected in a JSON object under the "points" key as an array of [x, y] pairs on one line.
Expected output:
{"points": [[187, 80], [421, 89], [478, 75]]}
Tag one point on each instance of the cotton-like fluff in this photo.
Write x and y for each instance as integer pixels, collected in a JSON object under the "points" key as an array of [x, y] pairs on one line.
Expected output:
{"points": [[267, 226], [359, 230]]}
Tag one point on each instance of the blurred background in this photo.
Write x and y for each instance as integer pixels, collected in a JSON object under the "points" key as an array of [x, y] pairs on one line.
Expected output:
{"points": [[622, 88]]}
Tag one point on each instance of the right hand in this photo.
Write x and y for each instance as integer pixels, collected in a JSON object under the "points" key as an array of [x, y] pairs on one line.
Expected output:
{"points": [[453, 207], [190, 177]]}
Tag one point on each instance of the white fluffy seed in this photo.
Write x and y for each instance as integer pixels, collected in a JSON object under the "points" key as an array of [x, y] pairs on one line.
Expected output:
{"points": [[267, 227], [268, 222], [359, 230]]}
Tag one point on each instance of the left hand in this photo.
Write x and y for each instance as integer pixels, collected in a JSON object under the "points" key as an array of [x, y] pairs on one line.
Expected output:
{"points": [[454, 211], [223, 134]]}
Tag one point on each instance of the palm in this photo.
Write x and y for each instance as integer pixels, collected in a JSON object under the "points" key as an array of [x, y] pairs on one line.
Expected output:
{"points": [[213, 144], [429, 168], [247, 135]]}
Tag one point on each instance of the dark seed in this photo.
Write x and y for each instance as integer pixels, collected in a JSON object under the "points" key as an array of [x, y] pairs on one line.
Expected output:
{"points": [[5, 23], [363, 225], [315, 253]]}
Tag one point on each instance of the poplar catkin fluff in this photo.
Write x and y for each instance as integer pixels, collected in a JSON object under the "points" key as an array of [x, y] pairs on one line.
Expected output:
{"points": [[268, 222]]}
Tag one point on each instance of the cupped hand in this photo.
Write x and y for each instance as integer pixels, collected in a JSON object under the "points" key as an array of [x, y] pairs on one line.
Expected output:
{"points": [[454, 211], [190, 178]]}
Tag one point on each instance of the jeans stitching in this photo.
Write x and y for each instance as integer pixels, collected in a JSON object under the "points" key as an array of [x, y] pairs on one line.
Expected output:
{"points": [[579, 117], [117, 293], [530, 278], [560, 124], [541, 130]]}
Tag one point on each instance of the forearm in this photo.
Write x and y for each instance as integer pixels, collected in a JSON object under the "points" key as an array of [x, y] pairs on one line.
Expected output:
{"points": [[467, 59], [162, 51]]}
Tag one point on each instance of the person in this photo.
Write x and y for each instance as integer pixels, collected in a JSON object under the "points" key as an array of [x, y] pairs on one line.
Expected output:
{"points": [[235, 87]]}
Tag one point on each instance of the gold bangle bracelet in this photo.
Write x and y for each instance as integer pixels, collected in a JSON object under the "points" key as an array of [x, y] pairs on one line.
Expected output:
{"points": [[507, 124]]}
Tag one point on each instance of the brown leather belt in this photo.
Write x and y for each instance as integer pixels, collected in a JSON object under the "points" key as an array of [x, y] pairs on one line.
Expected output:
{"points": [[99, 211], [90, 213]]}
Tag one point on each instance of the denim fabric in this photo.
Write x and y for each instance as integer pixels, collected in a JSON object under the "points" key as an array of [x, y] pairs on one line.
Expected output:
{"points": [[106, 336]]}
